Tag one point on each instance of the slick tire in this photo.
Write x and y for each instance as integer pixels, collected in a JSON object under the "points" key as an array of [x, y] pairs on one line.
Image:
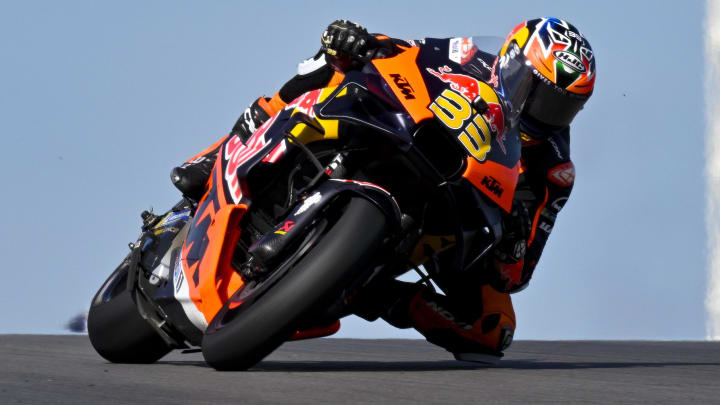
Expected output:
{"points": [[116, 330], [314, 281]]}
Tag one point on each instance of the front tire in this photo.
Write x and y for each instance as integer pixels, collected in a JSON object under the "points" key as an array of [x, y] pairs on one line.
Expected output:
{"points": [[312, 282], [116, 330]]}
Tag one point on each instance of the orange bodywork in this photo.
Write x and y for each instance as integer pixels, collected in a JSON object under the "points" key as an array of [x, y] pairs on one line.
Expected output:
{"points": [[409, 87], [211, 278], [496, 181], [316, 332]]}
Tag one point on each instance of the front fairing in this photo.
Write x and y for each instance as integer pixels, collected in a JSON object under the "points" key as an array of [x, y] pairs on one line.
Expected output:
{"points": [[398, 95]]}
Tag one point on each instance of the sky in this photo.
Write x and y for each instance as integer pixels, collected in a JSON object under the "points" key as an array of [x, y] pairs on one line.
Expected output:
{"points": [[99, 100]]}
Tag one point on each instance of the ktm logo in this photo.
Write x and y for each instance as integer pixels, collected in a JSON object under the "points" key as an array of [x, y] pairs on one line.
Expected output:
{"points": [[404, 86], [493, 185]]}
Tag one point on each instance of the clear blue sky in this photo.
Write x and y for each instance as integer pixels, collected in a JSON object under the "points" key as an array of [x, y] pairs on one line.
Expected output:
{"points": [[99, 100]]}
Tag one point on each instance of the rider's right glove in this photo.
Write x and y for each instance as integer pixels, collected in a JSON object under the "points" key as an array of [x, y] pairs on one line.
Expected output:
{"points": [[346, 39]]}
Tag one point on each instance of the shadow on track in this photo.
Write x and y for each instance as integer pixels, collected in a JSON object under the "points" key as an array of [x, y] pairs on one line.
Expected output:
{"points": [[445, 365], [351, 366], [552, 365]]}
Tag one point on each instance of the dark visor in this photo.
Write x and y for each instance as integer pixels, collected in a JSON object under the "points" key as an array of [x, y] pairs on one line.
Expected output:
{"points": [[553, 107]]}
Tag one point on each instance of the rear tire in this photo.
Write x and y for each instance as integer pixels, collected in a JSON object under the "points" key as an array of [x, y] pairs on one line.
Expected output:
{"points": [[116, 330], [313, 281]]}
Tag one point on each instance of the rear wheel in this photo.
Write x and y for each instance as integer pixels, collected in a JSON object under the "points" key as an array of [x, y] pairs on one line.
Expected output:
{"points": [[116, 330], [239, 338]]}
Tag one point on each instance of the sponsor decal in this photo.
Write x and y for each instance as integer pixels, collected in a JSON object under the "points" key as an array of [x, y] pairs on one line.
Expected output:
{"points": [[461, 50], [511, 53], [172, 218], [563, 175], [558, 203], [545, 227], [336, 162], [404, 86], [177, 216], [494, 78], [466, 85], [485, 65], [493, 185], [158, 232], [236, 153], [556, 148], [306, 102], [447, 315], [574, 35], [519, 249], [285, 227], [309, 202], [178, 275], [569, 60]]}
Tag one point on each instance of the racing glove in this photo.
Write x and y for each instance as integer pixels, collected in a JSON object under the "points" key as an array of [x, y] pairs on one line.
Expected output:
{"points": [[346, 39]]}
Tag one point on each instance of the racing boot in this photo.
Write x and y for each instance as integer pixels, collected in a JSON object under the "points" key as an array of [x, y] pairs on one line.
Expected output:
{"points": [[468, 334], [191, 177]]}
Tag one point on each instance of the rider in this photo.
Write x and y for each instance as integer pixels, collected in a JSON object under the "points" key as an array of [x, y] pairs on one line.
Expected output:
{"points": [[545, 72]]}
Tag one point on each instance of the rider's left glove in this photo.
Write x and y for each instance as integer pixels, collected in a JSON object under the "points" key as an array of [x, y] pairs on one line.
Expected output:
{"points": [[346, 39]]}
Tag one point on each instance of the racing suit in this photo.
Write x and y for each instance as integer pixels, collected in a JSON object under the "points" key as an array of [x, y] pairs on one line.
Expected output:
{"points": [[480, 319]]}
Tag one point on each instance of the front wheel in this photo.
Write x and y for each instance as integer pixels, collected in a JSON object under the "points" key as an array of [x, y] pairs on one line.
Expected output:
{"points": [[259, 327], [116, 330]]}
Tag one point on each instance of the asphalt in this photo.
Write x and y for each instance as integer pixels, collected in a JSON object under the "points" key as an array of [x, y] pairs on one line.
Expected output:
{"points": [[46, 369]]}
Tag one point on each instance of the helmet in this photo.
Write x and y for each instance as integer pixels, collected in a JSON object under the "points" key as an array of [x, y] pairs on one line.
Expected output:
{"points": [[546, 72]]}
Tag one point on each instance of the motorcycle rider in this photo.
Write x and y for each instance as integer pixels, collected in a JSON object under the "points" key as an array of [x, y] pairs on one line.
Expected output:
{"points": [[545, 72]]}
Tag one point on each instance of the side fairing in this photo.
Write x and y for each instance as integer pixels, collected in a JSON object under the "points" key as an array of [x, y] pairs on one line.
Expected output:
{"points": [[480, 127], [214, 232]]}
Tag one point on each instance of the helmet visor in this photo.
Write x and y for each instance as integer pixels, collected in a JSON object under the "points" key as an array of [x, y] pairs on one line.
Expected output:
{"points": [[516, 81], [553, 106]]}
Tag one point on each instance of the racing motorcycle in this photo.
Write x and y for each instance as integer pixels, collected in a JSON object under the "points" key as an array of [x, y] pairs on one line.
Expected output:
{"points": [[342, 189]]}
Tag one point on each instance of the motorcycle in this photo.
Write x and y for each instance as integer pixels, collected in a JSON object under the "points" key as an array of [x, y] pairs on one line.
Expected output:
{"points": [[343, 188]]}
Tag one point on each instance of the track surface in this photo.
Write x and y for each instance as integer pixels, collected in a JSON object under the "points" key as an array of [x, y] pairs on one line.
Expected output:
{"points": [[66, 370]]}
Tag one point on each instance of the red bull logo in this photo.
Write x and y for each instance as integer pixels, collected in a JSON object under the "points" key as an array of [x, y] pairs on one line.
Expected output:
{"points": [[468, 86], [236, 153], [471, 88], [305, 102]]}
